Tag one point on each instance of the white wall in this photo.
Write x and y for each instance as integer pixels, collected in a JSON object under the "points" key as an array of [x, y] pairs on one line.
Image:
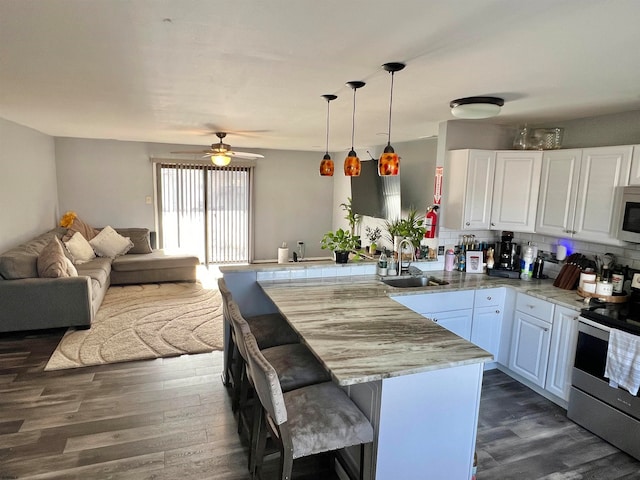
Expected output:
{"points": [[28, 193], [106, 182]]}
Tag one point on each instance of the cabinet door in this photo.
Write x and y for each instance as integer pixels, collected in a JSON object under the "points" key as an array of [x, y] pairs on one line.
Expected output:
{"points": [[486, 328], [456, 321], [558, 192], [468, 189], [515, 191], [597, 207], [634, 177], [530, 347], [562, 351]]}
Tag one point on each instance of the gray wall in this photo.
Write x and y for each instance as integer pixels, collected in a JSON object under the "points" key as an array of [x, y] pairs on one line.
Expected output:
{"points": [[106, 182], [28, 193]]}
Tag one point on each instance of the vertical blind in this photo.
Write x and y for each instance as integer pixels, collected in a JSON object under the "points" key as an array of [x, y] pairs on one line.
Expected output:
{"points": [[206, 210]]}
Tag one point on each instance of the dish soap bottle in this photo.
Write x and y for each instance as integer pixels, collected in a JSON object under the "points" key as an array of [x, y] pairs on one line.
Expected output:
{"points": [[382, 264]]}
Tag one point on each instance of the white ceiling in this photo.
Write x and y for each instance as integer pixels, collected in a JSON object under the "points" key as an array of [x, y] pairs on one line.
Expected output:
{"points": [[172, 71]]}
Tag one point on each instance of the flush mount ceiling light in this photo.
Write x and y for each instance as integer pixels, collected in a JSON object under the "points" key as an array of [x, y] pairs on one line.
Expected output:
{"points": [[352, 165], [476, 107], [389, 162], [326, 165]]}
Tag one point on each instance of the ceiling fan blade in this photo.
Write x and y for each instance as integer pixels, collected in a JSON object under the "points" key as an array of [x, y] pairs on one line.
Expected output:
{"points": [[193, 151], [244, 154]]}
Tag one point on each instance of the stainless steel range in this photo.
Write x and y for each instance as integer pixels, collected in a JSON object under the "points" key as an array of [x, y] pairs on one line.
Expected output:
{"points": [[611, 413]]}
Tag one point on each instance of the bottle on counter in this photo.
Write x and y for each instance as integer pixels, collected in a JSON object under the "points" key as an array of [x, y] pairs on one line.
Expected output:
{"points": [[382, 264], [526, 264], [617, 280], [449, 260], [462, 259]]}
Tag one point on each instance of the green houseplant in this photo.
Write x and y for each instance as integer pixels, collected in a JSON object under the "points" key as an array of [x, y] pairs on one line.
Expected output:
{"points": [[341, 242], [411, 227], [351, 217]]}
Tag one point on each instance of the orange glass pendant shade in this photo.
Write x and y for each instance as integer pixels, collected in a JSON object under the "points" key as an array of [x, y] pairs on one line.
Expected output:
{"points": [[352, 165], [388, 163], [326, 166]]}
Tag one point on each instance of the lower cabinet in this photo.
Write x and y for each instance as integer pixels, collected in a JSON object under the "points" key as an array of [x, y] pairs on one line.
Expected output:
{"points": [[486, 327], [562, 352], [530, 347], [456, 321]]}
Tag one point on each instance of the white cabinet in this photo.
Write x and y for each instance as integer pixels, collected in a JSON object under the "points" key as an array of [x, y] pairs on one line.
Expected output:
{"points": [[578, 195], [562, 351], [485, 189], [515, 190], [531, 338], [468, 180], [486, 326], [452, 310], [634, 176]]}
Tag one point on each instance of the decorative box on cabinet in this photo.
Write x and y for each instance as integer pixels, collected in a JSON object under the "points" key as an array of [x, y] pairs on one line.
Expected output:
{"points": [[578, 195]]}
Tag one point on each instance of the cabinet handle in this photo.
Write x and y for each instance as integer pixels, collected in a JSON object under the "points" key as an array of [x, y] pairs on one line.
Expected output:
{"points": [[531, 306], [435, 320], [493, 224], [488, 298], [574, 231], [498, 312], [545, 329], [468, 223]]}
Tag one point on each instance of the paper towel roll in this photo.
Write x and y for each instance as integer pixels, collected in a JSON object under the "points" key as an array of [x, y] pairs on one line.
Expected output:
{"points": [[283, 255]]}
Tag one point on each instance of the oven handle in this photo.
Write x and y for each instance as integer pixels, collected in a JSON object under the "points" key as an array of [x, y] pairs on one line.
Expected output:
{"points": [[593, 329]]}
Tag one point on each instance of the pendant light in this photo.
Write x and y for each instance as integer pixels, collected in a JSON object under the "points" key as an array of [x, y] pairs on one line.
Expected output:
{"points": [[326, 165], [352, 164], [389, 162]]}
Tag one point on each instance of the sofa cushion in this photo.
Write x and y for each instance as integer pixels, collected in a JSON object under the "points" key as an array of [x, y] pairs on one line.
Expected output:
{"points": [[51, 262], [80, 249], [21, 261], [151, 261], [98, 269], [109, 243], [141, 238]]}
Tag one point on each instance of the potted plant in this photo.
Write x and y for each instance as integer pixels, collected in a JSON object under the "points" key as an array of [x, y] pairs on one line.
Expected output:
{"points": [[373, 235], [341, 243], [351, 217], [411, 227]]}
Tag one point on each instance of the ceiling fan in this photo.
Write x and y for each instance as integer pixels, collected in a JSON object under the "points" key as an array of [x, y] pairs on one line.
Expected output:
{"points": [[221, 153]]}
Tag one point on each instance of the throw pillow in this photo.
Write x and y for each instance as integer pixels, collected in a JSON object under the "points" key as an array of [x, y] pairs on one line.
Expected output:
{"points": [[51, 260], [80, 249], [109, 243], [140, 238], [71, 269], [87, 231]]}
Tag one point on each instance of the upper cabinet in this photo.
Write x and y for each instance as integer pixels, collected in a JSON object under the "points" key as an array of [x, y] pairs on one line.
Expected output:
{"points": [[634, 177], [515, 190], [578, 194], [485, 189], [468, 180]]}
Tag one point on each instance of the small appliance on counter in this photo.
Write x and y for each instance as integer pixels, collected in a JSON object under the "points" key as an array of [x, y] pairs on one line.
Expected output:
{"points": [[507, 264]]}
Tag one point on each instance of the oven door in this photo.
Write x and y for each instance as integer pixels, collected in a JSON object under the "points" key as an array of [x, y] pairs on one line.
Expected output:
{"points": [[589, 365]]}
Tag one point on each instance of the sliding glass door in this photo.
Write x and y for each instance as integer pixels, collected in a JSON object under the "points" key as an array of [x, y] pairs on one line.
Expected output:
{"points": [[205, 210]]}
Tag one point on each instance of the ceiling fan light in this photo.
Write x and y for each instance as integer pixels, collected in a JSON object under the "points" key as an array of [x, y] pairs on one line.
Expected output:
{"points": [[220, 160], [474, 108]]}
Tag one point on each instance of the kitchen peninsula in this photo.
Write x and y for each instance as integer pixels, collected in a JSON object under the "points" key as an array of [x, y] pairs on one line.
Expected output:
{"points": [[418, 383]]}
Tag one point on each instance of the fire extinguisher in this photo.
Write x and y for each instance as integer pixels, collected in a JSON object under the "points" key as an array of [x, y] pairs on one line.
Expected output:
{"points": [[431, 221]]}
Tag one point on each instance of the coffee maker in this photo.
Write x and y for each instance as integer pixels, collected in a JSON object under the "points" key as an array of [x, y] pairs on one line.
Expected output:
{"points": [[508, 262]]}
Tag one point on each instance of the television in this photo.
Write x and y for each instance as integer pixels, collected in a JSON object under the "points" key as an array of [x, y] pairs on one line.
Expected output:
{"points": [[373, 195]]}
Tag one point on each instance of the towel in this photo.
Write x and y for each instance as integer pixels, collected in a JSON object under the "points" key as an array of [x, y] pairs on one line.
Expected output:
{"points": [[623, 361]]}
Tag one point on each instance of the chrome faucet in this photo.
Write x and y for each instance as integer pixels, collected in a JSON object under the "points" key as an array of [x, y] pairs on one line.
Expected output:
{"points": [[402, 268]]}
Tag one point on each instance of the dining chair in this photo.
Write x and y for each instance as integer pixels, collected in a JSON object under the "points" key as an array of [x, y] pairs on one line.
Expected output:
{"points": [[302, 422]]}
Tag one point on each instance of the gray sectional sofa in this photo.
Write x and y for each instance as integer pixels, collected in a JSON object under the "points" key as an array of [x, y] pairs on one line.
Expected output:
{"points": [[28, 302]]}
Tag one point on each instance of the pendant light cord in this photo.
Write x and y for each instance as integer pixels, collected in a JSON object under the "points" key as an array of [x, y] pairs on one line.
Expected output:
{"points": [[328, 102], [390, 104], [353, 118]]}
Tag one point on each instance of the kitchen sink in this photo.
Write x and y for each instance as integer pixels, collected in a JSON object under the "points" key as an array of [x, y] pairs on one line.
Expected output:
{"points": [[411, 282]]}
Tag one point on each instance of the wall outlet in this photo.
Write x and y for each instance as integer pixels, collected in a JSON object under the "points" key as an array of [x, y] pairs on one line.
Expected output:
{"points": [[440, 249]]}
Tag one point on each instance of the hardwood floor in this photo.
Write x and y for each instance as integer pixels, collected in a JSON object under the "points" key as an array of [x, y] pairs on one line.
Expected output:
{"points": [[171, 419]]}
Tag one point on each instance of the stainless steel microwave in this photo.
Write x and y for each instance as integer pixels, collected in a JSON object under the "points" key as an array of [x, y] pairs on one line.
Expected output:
{"points": [[629, 229]]}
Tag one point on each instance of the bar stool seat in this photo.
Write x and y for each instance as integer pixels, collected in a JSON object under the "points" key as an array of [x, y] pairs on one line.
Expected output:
{"points": [[310, 420], [296, 366]]}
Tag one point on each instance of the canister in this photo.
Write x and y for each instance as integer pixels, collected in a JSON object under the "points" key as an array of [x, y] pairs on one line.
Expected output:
{"points": [[449, 260], [586, 277], [604, 288], [589, 286]]}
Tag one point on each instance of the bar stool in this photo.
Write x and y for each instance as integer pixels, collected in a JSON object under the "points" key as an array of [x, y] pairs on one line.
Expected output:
{"points": [[270, 330], [294, 363], [309, 420]]}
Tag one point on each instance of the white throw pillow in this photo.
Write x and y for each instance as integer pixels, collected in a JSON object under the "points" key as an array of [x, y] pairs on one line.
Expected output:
{"points": [[79, 248], [109, 243], [71, 269]]}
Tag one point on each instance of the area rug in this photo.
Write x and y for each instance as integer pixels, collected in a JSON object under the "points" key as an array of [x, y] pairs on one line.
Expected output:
{"points": [[137, 322]]}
